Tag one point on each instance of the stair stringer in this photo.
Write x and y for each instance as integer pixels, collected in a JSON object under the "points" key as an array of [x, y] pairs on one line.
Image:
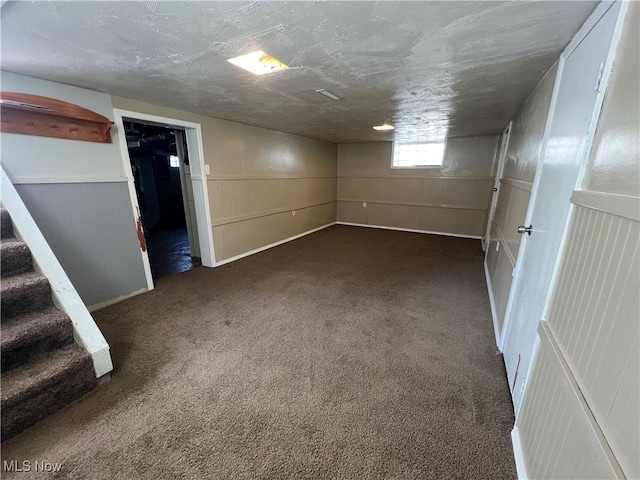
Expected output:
{"points": [[65, 296]]}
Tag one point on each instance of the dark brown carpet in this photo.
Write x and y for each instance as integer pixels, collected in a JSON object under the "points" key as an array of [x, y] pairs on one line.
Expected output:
{"points": [[350, 353], [43, 369]]}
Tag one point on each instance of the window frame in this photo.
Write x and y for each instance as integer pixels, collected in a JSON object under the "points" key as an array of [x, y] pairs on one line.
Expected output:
{"points": [[417, 167], [171, 156]]}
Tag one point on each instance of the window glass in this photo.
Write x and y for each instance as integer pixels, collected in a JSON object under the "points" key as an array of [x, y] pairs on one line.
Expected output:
{"points": [[418, 154]]}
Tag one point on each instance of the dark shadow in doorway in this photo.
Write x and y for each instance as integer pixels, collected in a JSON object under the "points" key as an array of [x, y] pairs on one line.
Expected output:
{"points": [[159, 163], [169, 252]]}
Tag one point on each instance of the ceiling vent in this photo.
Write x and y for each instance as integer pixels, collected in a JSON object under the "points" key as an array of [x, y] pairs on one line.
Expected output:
{"points": [[328, 94]]}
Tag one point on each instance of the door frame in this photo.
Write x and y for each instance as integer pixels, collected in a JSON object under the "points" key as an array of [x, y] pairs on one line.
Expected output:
{"points": [[198, 180], [181, 150], [591, 22], [502, 160]]}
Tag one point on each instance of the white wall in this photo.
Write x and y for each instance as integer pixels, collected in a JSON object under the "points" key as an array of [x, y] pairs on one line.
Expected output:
{"points": [[523, 155], [258, 176], [32, 159], [76, 193], [452, 199], [583, 397]]}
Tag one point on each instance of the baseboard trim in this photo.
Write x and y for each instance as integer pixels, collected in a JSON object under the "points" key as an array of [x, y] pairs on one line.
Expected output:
{"points": [[428, 232], [106, 303], [492, 302], [271, 245], [518, 453]]}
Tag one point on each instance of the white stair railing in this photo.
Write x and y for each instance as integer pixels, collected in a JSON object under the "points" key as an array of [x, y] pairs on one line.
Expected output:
{"points": [[65, 296]]}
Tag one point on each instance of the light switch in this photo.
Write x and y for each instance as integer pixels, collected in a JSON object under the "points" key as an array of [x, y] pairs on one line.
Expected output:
{"points": [[207, 169]]}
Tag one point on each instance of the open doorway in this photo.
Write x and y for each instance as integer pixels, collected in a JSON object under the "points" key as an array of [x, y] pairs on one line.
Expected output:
{"points": [[195, 178], [161, 175]]}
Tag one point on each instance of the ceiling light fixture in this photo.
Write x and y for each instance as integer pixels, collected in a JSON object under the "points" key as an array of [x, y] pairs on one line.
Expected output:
{"points": [[328, 94], [258, 63], [385, 127]]}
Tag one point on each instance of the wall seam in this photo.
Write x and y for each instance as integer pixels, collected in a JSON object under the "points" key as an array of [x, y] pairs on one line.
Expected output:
{"points": [[412, 204], [243, 218]]}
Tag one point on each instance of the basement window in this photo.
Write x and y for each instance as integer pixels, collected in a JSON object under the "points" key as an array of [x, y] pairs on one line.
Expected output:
{"points": [[174, 161], [417, 155]]}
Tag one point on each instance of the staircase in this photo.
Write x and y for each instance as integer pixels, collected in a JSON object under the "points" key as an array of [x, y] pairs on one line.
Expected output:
{"points": [[43, 369]]}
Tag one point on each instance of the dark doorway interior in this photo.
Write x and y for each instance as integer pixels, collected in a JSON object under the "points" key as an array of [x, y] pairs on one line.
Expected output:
{"points": [[158, 164]]}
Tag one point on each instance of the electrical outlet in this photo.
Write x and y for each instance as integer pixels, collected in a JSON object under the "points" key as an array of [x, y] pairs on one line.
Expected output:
{"points": [[293, 212], [364, 204]]}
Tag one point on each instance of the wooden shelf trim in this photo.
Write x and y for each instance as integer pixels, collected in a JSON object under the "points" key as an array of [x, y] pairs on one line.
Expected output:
{"points": [[28, 114]]}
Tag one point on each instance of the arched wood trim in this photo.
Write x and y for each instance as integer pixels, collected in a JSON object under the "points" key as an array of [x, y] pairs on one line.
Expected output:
{"points": [[28, 114]]}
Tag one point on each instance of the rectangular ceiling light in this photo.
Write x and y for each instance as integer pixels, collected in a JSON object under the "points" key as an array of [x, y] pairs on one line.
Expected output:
{"points": [[327, 94], [258, 63], [384, 127]]}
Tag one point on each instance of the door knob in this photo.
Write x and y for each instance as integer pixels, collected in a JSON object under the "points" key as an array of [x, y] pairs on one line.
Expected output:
{"points": [[523, 229]]}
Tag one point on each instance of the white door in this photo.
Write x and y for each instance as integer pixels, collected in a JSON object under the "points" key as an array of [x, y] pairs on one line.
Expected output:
{"points": [[574, 111], [502, 156]]}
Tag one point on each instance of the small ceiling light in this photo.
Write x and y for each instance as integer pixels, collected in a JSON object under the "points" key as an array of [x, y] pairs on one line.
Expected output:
{"points": [[327, 94], [258, 63], [385, 127]]}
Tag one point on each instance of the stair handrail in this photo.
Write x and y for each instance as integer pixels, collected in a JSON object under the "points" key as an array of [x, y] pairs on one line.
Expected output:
{"points": [[65, 296]]}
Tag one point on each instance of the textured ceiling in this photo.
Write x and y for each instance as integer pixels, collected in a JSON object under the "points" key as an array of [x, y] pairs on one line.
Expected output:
{"points": [[434, 69]]}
